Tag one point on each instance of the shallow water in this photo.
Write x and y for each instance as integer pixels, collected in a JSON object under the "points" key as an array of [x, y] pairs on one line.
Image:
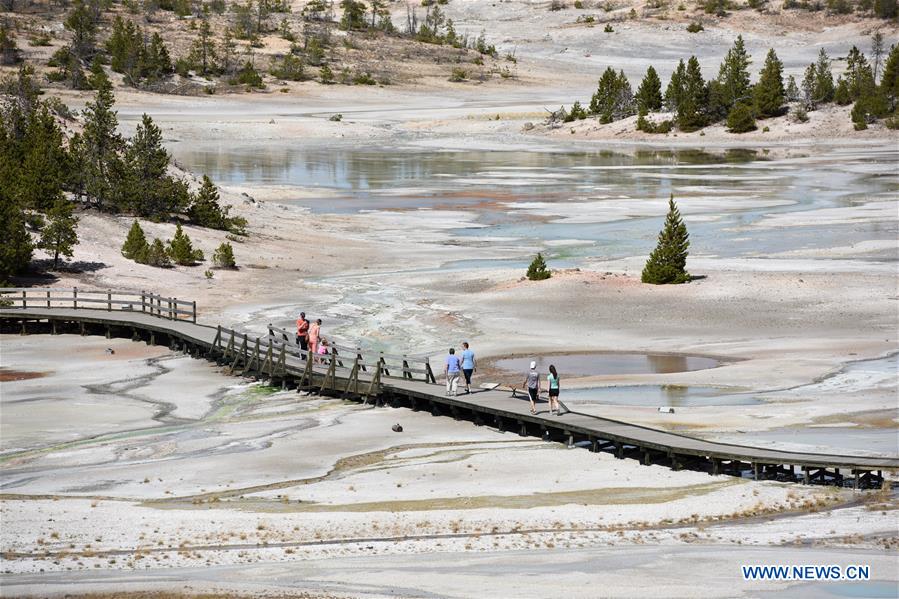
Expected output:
{"points": [[592, 197], [658, 395], [600, 363]]}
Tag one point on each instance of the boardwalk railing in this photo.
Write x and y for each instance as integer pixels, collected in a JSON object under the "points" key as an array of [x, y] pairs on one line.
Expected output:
{"points": [[170, 308], [406, 366]]}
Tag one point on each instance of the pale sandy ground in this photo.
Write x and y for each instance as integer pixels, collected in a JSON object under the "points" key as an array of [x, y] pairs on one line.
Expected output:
{"points": [[780, 321], [244, 490]]}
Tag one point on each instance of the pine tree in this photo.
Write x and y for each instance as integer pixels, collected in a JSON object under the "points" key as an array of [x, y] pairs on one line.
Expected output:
{"points": [[734, 74], [649, 94], [60, 236], [157, 255], [692, 106], [841, 94], [889, 82], [769, 91], [9, 50], [353, 15], [136, 247], [202, 55], [150, 192], [83, 25], [674, 93], [102, 144], [824, 88], [668, 261], [537, 271], [16, 246], [876, 52], [859, 76], [181, 249], [224, 256], [44, 162], [613, 98], [205, 209], [792, 90], [740, 118]]}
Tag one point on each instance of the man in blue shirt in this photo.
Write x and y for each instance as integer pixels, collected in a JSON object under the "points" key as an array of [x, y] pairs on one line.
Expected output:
{"points": [[451, 371], [468, 365]]}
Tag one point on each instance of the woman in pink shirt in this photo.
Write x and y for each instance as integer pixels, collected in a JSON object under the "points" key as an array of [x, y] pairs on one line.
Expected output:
{"points": [[314, 332]]}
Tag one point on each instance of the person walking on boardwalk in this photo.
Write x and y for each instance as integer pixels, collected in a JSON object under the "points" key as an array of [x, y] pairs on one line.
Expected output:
{"points": [[532, 382], [468, 365], [303, 332], [552, 381], [315, 330], [451, 370]]}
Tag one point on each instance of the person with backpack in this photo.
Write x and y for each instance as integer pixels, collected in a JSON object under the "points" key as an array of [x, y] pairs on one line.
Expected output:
{"points": [[451, 371], [552, 381], [532, 382]]}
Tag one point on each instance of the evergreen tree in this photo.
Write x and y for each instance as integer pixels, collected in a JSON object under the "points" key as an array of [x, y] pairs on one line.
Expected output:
{"points": [[613, 98], [690, 110], [97, 78], [16, 246], [205, 209], [202, 55], [674, 93], [668, 261], [859, 76], [9, 50], [353, 15], [44, 162], [734, 74], [82, 22], [157, 255], [889, 82], [60, 236], [649, 94], [227, 53], [740, 118], [101, 145], [860, 116], [769, 91], [792, 90], [181, 249], [841, 94], [136, 247], [537, 271], [224, 256], [150, 191], [824, 87]]}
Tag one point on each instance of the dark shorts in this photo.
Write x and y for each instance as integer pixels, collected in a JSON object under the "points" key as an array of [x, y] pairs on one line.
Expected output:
{"points": [[467, 372], [554, 393], [533, 394], [303, 343]]}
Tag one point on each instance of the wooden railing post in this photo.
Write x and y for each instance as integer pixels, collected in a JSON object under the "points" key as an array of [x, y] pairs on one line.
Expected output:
{"points": [[75, 297], [109, 300], [48, 299], [429, 374], [24, 299], [193, 308], [143, 301], [173, 305]]}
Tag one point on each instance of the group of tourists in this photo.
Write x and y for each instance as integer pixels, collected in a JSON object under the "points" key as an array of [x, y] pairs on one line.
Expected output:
{"points": [[456, 365], [464, 364], [309, 336]]}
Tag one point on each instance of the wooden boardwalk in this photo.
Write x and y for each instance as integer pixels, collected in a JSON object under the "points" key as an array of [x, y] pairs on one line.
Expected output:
{"points": [[409, 381]]}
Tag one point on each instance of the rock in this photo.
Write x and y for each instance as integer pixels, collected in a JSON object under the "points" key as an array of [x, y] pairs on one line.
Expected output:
{"points": [[109, 351], [397, 428], [528, 126]]}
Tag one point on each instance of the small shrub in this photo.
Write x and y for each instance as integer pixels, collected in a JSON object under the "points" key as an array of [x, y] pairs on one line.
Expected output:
{"points": [[157, 256], [695, 27], [224, 256], [249, 76], [458, 74], [741, 119], [766, 129], [608, 28], [208, 274], [364, 79], [181, 249], [578, 4], [326, 75], [556, 5], [136, 247], [41, 39], [336, 117], [537, 271], [800, 114]]}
